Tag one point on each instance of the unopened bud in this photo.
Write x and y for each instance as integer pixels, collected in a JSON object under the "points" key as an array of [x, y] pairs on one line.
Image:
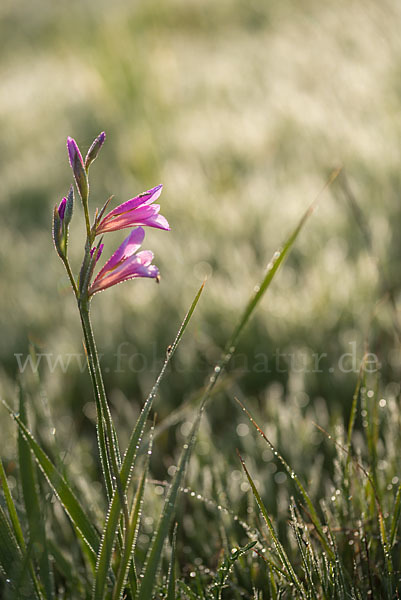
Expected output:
{"points": [[94, 150], [69, 207], [58, 235], [61, 208], [77, 165]]}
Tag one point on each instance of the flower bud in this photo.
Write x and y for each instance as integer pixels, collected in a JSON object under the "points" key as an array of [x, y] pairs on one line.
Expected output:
{"points": [[69, 207], [61, 208], [94, 150], [58, 233], [77, 165]]}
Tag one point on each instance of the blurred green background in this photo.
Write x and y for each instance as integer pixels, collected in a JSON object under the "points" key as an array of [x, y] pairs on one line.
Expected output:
{"points": [[241, 109]]}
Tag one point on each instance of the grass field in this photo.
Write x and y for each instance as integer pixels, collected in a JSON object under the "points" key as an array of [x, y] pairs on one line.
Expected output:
{"points": [[242, 111]]}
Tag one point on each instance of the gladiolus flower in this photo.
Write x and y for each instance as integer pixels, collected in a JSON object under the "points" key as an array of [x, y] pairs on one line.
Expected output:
{"points": [[137, 211], [126, 263]]}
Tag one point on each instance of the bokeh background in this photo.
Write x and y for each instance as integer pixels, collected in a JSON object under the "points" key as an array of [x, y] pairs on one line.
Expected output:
{"points": [[242, 110]]}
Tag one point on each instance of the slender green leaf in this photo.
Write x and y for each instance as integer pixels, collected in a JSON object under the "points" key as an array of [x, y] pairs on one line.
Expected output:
{"points": [[154, 554], [216, 588], [171, 594], [352, 417], [130, 539], [312, 511], [396, 517], [130, 456], [279, 547], [62, 490], [33, 508], [11, 509], [12, 563]]}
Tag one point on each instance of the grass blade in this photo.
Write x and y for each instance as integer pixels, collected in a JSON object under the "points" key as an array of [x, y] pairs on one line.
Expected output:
{"points": [[62, 490], [171, 595], [312, 511], [131, 535], [33, 509], [223, 572], [11, 509], [396, 517], [12, 562], [130, 456], [155, 551], [280, 549]]}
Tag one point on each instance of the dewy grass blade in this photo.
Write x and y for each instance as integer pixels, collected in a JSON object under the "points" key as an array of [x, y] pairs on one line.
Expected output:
{"points": [[396, 517], [312, 511], [130, 540], [12, 561], [11, 509], [154, 554], [62, 490], [113, 516], [33, 508], [171, 573], [17, 529], [353, 409], [280, 549]]}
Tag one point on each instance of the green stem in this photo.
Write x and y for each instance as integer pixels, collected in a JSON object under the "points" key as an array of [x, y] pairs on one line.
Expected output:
{"points": [[101, 438], [71, 276], [108, 441]]}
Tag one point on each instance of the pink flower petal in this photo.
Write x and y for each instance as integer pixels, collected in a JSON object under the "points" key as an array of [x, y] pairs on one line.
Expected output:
{"points": [[137, 211], [144, 198], [129, 246]]}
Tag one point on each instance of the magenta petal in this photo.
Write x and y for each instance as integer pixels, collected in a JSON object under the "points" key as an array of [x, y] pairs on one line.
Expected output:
{"points": [[144, 198], [99, 251], [61, 208], [144, 215], [129, 246], [129, 269], [126, 264], [145, 257]]}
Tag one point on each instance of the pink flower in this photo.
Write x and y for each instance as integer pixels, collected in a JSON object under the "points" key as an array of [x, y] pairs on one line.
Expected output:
{"points": [[137, 211], [126, 263]]}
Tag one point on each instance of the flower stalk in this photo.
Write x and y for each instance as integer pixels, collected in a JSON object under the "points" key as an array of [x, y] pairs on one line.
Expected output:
{"points": [[124, 264]]}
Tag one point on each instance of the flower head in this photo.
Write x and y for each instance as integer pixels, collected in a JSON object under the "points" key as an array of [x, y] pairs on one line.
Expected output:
{"points": [[137, 211], [126, 263]]}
